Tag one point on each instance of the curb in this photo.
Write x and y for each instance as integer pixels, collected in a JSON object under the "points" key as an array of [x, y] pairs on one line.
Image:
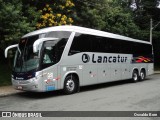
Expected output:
{"points": [[8, 90], [10, 93], [7, 94], [157, 72]]}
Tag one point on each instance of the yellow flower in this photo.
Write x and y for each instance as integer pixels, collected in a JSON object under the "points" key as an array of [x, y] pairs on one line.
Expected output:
{"points": [[50, 24], [38, 25], [62, 19], [70, 20], [64, 16], [44, 9], [40, 11], [67, 4], [72, 4], [47, 5], [59, 15], [52, 16], [49, 9], [52, 21], [47, 15], [43, 17], [64, 22], [68, 10]]}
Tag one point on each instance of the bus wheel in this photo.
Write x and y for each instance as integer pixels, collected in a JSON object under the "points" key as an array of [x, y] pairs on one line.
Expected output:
{"points": [[135, 76], [142, 75], [70, 85]]}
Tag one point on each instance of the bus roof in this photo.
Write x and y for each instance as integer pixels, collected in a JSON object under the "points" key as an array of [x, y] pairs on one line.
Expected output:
{"points": [[84, 31]]}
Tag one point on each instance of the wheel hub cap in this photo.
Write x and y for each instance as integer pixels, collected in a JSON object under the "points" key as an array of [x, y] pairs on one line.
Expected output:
{"points": [[70, 85]]}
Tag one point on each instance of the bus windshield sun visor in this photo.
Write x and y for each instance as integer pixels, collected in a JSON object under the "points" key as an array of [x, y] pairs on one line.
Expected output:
{"points": [[37, 43], [10, 47]]}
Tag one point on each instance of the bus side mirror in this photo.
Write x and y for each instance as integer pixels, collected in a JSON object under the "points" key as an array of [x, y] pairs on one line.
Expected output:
{"points": [[9, 47], [37, 44]]}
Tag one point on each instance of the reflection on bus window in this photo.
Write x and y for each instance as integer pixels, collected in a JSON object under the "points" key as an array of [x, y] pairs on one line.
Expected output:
{"points": [[48, 58]]}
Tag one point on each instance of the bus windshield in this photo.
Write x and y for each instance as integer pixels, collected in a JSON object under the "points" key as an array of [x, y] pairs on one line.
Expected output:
{"points": [[50, 52], [25, 59]]}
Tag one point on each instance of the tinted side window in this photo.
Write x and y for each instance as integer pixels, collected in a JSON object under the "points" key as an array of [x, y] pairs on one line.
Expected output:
{"points": [[91, 43], [60, 48], [48, 57], [143, 49], [52, 52], [149, 49], [95, 44], [81, 43], [126, 47], [115, 46]]}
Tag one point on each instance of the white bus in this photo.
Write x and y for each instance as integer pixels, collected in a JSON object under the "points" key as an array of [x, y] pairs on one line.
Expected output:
{"points": [[67, 57]]}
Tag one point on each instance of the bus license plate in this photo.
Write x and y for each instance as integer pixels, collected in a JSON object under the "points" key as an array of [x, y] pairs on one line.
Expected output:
{"points": [[19, 87]]}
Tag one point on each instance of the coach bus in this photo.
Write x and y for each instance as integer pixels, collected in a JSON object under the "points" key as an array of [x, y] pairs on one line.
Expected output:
{"points": [[67, 57]]}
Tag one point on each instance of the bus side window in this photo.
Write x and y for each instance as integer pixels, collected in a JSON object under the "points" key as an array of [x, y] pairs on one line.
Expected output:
{"points": [[81, 43], [47, 58], [60, 48]]}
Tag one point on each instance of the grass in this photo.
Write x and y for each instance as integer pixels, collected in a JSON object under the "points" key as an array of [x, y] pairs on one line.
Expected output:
{"points": [[5, 75]]}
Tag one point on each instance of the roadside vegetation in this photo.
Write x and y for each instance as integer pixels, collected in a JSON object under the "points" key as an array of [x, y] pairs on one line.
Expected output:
{"points": [[5, 75]]}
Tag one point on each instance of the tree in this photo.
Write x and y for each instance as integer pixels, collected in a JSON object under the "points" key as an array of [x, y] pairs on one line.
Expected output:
{"points": [[14, 21], [143, 11], [89, 14], [147, 9], [107, 15]]}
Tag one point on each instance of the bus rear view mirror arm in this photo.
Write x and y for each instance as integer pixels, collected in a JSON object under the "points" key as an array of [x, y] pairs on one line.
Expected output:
{"points": [[10, 47]]}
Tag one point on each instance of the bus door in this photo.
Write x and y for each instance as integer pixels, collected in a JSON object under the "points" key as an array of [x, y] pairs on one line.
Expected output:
{"points": [[49, 69]]}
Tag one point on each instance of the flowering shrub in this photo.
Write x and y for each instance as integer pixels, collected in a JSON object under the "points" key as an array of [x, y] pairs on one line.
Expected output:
{"points": [[56, 13]]}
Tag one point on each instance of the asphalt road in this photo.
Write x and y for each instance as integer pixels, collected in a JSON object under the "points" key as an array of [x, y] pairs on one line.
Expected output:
{"points": [[115, 96]]}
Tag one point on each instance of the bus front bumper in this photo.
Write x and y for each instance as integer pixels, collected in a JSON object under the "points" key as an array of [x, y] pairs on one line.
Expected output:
{"points": [[27, 85]]}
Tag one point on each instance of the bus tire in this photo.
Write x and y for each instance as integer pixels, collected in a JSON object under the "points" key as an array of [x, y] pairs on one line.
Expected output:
{"points": [[135, 76], [70, 85], [142, 75]]}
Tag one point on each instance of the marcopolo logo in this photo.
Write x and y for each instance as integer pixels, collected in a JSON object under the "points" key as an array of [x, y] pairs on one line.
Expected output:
{"points": [[85, 58], [104, 59]]}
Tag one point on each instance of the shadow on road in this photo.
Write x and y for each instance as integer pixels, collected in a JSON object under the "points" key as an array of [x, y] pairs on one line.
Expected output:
{"points": [[39, 95], [108, 84], [43, 95]]}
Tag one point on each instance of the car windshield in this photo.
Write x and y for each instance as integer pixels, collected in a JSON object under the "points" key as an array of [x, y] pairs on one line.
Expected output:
{"points": [[25, 59]]}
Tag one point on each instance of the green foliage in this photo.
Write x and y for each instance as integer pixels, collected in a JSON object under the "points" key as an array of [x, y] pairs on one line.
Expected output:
{"points": [[5, 75], [107, 15], [144, 14], [89, 14], [121, 22], [13, 21]]}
